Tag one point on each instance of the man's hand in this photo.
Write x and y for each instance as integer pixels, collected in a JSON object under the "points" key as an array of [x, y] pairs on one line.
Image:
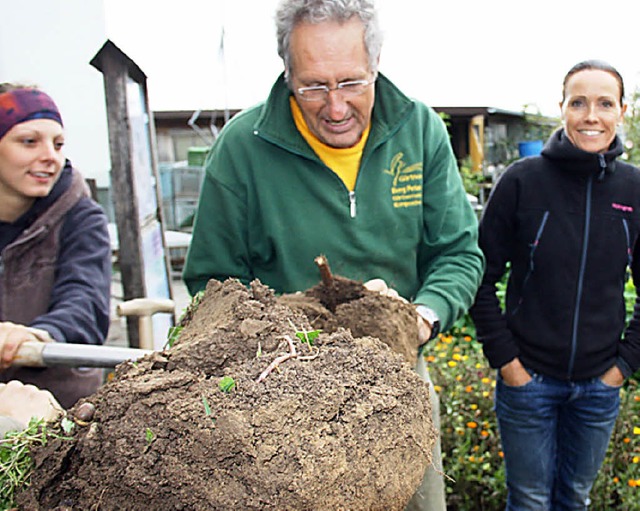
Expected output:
{"points": [[13, 335], [380, 286], [424, 330], [514, 374], [22, 402]]}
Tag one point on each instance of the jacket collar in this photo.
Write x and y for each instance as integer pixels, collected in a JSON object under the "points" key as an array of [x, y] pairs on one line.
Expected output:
{"points": [[561, 149], [275, 123]]}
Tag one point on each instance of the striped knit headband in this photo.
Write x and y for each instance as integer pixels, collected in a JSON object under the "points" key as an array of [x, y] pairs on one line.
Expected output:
{"points": [[21, 105]]}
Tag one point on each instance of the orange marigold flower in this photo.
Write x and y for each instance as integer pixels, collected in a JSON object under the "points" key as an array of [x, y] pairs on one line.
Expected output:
{"points": [[484, 433], [501, 454], [431, 358], [633, 483], [468, 388], [626, 440], [458, 377], [467, 338], [472, 424], [616, 479]]}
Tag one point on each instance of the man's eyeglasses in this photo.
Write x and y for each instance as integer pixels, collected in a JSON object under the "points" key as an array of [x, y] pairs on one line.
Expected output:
{"points": [[345, 89]]}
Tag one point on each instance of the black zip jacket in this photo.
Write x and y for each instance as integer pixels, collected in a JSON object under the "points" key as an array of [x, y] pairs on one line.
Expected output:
{"points": [[568, 222]]}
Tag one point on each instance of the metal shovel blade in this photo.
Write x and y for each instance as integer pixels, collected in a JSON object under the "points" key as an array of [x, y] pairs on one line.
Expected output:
{"points": [[57, 354]]}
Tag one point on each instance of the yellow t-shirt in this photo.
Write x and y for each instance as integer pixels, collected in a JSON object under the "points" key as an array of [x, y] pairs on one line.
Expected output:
{"points": [[344, 162]]}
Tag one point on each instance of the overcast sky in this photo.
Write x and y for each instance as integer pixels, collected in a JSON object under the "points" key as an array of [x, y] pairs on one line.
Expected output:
{"points": [[497, 53]]}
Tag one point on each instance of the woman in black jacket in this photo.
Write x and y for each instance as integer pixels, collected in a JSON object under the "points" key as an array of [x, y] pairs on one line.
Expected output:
{"points": [[567, 222]]}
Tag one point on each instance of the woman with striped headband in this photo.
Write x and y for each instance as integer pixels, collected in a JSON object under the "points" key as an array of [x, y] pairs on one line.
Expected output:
{"points": [[55, 257]]}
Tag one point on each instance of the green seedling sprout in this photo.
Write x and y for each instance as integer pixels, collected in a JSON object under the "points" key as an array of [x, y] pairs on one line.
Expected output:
{"points": [[207, 408], [227, 384], [149, 436], [307, 337], [172, 336]]}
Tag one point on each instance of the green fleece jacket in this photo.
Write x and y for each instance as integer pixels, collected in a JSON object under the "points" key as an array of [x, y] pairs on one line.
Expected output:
{"points": [[268, 206]]}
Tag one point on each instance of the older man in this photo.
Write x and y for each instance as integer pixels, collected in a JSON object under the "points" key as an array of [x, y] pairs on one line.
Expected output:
{"points": [[338, 161]]}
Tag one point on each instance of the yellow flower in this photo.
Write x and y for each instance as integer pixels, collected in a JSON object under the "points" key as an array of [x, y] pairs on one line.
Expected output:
{"points": [[451, 363], [474, 406], [457, 356], [478, 365], [636, 430], [485, 394], [485, 380], [636, 459], [472, 425], [458, 377], [437, 388], [472, 459], [616, 479]]}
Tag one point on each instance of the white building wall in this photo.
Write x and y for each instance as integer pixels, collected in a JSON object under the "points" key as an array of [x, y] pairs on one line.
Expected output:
{"points": [[49, 43]]}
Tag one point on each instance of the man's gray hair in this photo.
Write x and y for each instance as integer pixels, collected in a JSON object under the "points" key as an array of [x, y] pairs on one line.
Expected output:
{"points": [[292, 12]]}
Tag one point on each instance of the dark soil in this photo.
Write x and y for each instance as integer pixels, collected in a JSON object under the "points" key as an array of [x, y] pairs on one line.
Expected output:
{"points": [[349, 429]]}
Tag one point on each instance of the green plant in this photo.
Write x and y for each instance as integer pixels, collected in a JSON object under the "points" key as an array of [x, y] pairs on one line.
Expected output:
{"points": [[226, 384], [471, 179], [537, 126], [149, 436], [632, 129], [16, 463], [172, 336], [308, 337], [472, 458], [618, 481]]}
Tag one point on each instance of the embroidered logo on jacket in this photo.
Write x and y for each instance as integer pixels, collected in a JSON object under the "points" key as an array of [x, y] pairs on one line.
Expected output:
{"points": [[622, 207], [406, 187]]}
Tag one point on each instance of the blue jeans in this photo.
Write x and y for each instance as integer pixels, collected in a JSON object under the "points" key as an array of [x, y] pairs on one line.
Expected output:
{"points": [[554, 436]]}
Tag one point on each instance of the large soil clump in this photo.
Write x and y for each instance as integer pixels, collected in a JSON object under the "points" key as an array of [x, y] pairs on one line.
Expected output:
{"points": [[342, 425]]}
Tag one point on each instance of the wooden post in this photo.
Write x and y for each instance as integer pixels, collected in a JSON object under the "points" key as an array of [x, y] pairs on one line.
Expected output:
{"points": [[143, 257]]}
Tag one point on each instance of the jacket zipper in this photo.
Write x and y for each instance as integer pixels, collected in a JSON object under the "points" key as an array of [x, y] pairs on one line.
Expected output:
{"points": [[533, 246], [625, 224], [352, 204], [583, 262]]}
